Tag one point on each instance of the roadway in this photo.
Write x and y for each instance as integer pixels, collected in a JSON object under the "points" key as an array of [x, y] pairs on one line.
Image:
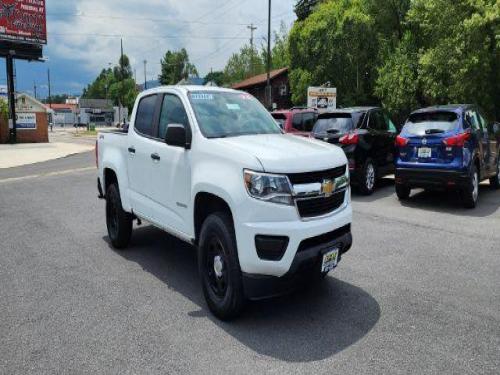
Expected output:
{"points": [[418, 292]]}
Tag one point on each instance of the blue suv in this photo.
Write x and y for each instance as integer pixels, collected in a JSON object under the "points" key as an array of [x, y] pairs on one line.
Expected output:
{"points": [[447, 147]]}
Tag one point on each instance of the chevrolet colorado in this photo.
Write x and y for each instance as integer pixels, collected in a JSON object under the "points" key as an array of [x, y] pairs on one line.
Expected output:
{"points": [[211, 167]]}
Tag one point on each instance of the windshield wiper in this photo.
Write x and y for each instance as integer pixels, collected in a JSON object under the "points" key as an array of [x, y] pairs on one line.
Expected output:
{"points": [[434, 131]]}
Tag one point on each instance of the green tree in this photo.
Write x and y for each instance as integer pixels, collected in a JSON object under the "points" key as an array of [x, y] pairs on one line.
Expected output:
{"points": [[217, 77], [449, 53], [280, 53], [459, 54], [397, 82], [335, 44], [116, 84], [4, 109], [175, 66], [304, 8], [243, 64]]}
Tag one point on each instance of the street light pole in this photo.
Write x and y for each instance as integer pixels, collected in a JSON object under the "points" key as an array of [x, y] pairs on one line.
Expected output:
{"points": [[12, 98], [268, 85], [145, 75]]}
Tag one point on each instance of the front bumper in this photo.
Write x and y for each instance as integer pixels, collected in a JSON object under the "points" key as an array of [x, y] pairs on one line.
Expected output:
{"points": [[265, 219], [306, 264], [432, 178]]}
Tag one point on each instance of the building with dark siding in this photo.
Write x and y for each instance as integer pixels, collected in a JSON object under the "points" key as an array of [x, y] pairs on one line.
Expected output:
{"points": [[280, 86]]}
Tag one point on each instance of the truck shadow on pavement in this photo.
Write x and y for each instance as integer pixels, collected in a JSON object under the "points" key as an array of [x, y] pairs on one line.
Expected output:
{"points": [[449, 202], [309, 325]]}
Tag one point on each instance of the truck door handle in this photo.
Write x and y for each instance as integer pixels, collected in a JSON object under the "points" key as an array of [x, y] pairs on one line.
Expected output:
{"points": [[155, 157], [131, 150]]}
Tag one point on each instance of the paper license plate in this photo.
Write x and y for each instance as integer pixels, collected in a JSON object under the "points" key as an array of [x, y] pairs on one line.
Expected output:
{"points": [[330, 260], [424, 152]]}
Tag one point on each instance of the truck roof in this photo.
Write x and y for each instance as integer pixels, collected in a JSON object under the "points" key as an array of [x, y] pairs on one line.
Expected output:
{"points": [[186, 89]]}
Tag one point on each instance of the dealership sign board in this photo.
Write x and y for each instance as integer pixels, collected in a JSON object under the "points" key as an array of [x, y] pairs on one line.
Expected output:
{"points": [[322, 98], [23, 21], [26, 121]]}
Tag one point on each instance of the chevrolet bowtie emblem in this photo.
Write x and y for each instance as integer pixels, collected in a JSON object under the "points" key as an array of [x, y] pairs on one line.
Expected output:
{"points": [[327, 187]]}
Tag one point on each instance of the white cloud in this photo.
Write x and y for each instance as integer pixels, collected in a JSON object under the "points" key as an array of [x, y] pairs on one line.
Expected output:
{"points": [[136, 20]]}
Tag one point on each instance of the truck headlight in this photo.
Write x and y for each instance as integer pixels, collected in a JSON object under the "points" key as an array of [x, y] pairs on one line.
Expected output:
{"points": [[268, 187]]}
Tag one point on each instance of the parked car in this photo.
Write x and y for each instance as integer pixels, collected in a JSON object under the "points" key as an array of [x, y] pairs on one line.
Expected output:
{"points": [[211, 166], [449, 146], [297, 121], [367, 135]]}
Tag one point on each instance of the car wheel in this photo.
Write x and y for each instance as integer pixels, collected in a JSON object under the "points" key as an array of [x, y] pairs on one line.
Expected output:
{"points": [[495, 180], [402, 191], [219, 267], [367, 178], [118, 222], [470, 194]]}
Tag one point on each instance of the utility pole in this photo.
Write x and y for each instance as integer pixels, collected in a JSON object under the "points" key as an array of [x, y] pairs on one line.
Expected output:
{"points": [[50, 97], [121, 84], [34, 88], [252, 28], [268, 84], [12, 98], [145, 75]]}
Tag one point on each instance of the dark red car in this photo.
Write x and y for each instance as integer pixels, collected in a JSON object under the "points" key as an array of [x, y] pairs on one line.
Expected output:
{"points": [[298, 121]]}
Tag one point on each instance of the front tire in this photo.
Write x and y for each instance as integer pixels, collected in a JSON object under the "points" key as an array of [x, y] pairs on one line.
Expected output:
{"points": [[367, 178], [470, 195], [495, 180], [219, 267], [118, 222]]}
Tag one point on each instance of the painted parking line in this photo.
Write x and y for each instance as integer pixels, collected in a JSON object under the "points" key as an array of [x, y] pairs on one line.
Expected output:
{"points": [[48, 174]]}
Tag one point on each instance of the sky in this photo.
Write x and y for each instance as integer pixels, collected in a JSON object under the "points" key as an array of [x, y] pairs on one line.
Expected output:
{"points": [[84, 37]]}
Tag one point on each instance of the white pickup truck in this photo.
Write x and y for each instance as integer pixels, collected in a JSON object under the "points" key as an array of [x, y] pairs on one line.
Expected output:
{"points": [[264, 210]]}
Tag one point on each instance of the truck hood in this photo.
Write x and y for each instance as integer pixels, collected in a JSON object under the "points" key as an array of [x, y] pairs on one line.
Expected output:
{"points": [[284, 153]]}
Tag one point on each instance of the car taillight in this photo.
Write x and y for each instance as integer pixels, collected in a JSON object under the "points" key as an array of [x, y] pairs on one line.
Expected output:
{"points": [[401, 141], [349, 139], [457, 140], [97, 154]]}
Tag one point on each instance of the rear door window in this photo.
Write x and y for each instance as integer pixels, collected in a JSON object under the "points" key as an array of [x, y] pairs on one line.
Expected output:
{"points": [[297, 121], [426, 123], [145, 115], [377, 121], [472, 118], [308, 120]]}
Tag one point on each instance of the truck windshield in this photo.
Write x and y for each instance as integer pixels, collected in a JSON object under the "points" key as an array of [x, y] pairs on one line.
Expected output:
{"points": [[426, 123], [231, 114]]}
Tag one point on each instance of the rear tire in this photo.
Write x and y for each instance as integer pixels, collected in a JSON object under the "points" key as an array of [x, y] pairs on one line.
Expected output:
{"points": [[403, 192], [118, 222], [219, 267], [470, 194], [367, 178], [495, 180]]}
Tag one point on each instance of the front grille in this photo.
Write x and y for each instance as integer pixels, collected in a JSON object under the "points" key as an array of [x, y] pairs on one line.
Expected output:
{"points": [[318, 176], [312, 207], [324, 239]]}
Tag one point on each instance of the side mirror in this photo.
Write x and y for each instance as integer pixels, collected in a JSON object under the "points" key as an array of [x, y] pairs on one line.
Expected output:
{"points": [[177, 136]]}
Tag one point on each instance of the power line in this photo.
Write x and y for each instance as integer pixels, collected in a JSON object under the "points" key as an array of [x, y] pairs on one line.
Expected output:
{"points": [[96, 16], [101, 35], [216, 9]]}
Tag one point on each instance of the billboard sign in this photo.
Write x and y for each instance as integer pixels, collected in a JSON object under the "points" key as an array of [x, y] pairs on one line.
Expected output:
{"points": [[26, 121], [23, 21], [324, 99]]}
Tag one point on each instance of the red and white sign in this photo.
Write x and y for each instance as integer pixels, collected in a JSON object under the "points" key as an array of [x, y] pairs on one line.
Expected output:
{"points": [[23, 21]]}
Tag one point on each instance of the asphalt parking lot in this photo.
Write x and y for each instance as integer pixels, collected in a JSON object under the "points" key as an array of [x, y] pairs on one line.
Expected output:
{"points": [[419, 292]]}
